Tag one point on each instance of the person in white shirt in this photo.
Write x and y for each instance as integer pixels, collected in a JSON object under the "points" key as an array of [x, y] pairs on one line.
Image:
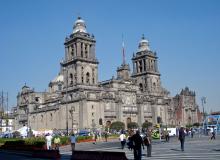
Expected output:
{"points": [[122, 138], [49, 140]]}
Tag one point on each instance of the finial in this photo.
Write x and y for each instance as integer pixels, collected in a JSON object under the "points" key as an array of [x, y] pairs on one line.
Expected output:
{"points": [[143, 37]]}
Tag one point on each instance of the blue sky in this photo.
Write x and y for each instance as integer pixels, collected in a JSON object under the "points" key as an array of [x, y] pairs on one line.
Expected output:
{"points": [[185, 34]]}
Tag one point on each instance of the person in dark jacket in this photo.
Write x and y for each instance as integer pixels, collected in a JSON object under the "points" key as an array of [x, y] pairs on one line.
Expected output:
{"points": [[138, 142], [148, 142], [182, 137]]}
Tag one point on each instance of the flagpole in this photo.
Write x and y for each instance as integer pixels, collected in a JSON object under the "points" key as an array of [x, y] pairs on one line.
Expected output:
{"points": [[123, 49]]}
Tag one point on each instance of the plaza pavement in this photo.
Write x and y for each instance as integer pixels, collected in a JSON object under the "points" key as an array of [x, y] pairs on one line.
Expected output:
{"points": [[197, 148]]}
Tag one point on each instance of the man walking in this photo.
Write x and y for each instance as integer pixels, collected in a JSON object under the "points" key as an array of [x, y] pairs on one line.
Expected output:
{"points": [[148, 142], [138, 142], [213, 133], [49, 141], [73, 142], [122, 138], [182, 137]]}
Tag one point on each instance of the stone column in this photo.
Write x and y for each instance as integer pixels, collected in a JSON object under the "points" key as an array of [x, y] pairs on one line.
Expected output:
{"points": [[137, 65], [134, 68], [88, 50], [75, 50], [140, 114], [66, 53], [142, 65], [78, 49], [83, 49]]}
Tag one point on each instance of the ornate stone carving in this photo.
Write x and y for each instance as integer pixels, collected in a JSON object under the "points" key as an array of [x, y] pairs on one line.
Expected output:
{"points": [[107, 95]]}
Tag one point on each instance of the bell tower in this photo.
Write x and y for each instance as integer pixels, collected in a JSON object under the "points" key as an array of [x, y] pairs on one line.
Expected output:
{"points": [[80, 66], [145, 68]]}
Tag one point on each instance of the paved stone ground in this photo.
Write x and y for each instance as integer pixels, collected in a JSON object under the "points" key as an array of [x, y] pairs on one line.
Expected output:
{"points": [[197, 148]]}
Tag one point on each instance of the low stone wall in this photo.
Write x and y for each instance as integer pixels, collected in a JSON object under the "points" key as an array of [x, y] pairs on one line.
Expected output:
{"points": [[98, 155]]}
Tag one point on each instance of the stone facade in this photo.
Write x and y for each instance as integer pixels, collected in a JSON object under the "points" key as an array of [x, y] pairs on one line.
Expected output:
{"points": [[186, 109], [76, 100]]}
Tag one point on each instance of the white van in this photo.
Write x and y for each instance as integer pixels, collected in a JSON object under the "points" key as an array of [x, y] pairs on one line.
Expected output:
{"points": [[172, 131]]}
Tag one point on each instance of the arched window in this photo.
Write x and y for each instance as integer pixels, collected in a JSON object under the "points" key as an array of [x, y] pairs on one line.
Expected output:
{"points": [[128, 120], [81, 49], [87, 77], [108, 124], [140, 66], [82, 73], [59, 87], [51, 116], [72, 51], [154, 86], [141, 86], [71, 78], [86, 52]]}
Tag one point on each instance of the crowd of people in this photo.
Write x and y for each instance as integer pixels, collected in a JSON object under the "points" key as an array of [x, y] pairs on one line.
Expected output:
{"points": [[135, 141]]}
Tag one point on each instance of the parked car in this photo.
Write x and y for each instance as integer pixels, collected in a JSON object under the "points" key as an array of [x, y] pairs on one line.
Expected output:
{"points": [[84, 133]]}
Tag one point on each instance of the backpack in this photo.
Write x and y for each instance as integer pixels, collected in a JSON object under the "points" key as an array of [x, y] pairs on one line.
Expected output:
{"points": [[146, 141]]}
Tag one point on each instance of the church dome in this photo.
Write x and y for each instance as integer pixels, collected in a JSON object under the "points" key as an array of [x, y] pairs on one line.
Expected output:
{"points": [[59, 78], [79, 26], [143, 45]]}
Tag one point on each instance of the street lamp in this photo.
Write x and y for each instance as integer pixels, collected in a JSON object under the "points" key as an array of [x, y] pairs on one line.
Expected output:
{"points": [[203, 99], [71, 112]]}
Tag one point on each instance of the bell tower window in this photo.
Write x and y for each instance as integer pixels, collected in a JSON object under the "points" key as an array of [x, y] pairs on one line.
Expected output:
{"points": [[87, 78], [86, 52], [71, 78], [81, 49], [141, 86], [140, 66]]}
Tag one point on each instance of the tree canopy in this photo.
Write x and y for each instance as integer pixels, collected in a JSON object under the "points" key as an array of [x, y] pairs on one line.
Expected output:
{"points": [[117, 126]]}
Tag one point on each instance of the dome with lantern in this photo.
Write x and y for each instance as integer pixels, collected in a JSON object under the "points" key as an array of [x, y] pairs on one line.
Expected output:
{"points": [[143, 45], [79, 26]]}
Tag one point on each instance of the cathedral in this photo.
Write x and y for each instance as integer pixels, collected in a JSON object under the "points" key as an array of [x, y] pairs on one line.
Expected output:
{"points": [[76, 99]]}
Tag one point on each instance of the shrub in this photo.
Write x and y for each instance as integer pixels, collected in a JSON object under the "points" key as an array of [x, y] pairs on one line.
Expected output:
{"points": [[132, 125], [196, 124], [79, 138], [36, 141], [64, 140], [146, 124], [117, 126]]}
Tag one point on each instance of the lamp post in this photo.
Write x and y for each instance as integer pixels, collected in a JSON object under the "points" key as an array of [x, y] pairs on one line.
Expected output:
{"points": [[71, 112], [203, 99]]}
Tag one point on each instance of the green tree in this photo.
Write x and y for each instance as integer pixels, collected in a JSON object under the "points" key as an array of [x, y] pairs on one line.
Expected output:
{"points": [[146, 125], [117, 125], [133, 125], [196, 124]]}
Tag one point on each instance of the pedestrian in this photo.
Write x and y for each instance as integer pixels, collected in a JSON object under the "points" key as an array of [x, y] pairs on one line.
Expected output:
{"points": [[192, 132], [130, 142], [182, 137], [73, 142], [56, 142], [122, 138], [106, 136], [167, 135], [138, 143], [49, 141], [213, 133], [148, 142], [95, 137]]}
